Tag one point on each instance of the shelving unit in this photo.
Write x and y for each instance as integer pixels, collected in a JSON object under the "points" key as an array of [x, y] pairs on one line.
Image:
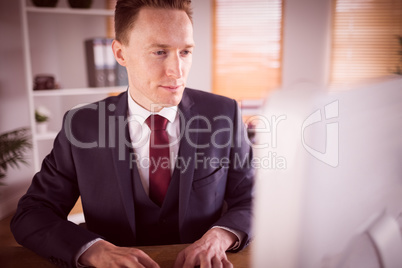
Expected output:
{"points": [[50, 135], [53, 43], [70, 11], [78, 91]]}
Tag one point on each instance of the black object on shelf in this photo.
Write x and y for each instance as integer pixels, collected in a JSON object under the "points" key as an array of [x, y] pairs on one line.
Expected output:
{"points": [[44, 82], [45, 3], [95, 57], [80, 3], [102, 68]]}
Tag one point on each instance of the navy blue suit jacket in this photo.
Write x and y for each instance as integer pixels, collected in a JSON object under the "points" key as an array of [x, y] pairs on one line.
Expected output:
{"points": [[91, 158]]}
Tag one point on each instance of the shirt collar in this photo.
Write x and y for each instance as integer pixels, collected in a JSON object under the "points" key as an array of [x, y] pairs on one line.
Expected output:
{"points": [[140, 114]]}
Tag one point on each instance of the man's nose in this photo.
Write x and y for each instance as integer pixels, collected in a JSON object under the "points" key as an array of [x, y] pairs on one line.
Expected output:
{"points": [[174, 66]]}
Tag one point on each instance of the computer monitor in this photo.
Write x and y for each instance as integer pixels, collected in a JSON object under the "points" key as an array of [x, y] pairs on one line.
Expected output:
{"points": [[329, 178]]}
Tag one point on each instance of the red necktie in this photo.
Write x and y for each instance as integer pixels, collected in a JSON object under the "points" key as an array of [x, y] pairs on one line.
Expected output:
{"points": [[159, 170]]}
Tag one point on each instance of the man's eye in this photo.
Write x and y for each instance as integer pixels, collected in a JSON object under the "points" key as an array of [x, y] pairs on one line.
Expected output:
{"points": [[186, 52], [160, 53]]}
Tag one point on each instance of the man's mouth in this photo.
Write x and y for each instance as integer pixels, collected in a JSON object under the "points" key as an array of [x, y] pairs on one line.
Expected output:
{"points": [[171, 88]]}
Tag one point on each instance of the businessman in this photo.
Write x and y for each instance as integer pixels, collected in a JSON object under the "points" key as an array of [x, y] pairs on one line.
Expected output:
{"points": [[158, 164]]}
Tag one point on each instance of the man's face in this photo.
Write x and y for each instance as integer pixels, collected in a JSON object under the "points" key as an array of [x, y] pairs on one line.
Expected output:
{"points": [[158, 57]]}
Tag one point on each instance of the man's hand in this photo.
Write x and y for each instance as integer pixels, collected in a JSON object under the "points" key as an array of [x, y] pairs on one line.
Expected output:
{"points": [[104, 254], [208, 251]]}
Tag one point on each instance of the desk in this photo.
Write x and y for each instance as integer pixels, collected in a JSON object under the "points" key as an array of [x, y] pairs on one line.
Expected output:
{"points": [[165, 256]]}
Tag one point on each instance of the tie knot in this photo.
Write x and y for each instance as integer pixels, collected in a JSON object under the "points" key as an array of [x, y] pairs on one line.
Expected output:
{"points": [[156, 122]]}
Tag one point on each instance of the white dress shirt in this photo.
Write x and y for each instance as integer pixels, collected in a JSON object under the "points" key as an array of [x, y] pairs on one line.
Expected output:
{"points": [[140, 137]]}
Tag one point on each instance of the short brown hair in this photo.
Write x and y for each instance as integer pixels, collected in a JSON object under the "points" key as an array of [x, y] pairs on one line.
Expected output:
{"points": [[126, 13]]}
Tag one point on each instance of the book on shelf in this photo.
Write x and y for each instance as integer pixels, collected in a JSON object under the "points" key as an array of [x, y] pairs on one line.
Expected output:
{"points": [[102, 68]]}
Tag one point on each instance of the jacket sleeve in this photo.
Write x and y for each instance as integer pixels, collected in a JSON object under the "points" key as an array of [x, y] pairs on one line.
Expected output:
{"points": [[40, 222], [240, 183]]}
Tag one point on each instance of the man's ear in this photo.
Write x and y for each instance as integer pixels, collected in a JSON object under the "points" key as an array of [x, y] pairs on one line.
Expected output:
{"points": [[118, 52]]}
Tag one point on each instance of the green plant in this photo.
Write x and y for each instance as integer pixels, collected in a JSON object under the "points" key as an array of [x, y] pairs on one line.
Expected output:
{"points": [[13, 146], [40, 117], [42, 114]]}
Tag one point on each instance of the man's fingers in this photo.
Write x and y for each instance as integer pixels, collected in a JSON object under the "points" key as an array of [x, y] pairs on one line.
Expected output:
{"points": [[145, 260], [134, 265], [226, 263], [191, 259], [132, 258], [179, 260], [208, 251], [216, 262], [205, 261], [105, 254]]}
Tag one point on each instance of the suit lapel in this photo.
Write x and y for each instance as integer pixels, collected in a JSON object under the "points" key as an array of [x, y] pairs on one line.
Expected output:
{"points": [[121, 159], [186, 153]]}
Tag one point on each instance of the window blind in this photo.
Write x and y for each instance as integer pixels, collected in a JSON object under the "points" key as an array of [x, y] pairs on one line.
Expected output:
{"points": [[365, 41], [247, 47]]}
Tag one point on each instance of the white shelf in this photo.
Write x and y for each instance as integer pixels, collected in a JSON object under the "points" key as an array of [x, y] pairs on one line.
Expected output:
{"points": [[78, 91], [71, 11], [46, 136]]}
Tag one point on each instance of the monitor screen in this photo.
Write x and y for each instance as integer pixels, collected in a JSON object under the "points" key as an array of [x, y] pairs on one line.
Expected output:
{"points": [[329, 178]]}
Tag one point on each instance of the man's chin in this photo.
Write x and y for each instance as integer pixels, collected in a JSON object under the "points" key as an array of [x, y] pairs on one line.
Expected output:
{"points": [[165, 104], [173, 100]]}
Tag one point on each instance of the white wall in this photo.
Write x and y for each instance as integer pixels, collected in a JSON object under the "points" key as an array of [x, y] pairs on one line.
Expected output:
{"points": [[13, 100], [306, 45], [201, 72]]}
